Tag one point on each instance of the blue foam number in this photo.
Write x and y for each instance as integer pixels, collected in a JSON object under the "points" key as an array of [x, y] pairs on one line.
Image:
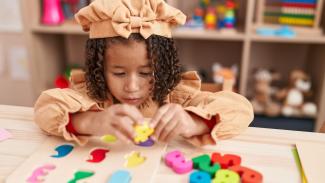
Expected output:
{"points": [[63, 150], [120, 176], [200, 177]]}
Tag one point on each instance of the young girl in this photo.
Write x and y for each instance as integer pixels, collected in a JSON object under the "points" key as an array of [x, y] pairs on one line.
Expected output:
{"points": [[133, 72]]}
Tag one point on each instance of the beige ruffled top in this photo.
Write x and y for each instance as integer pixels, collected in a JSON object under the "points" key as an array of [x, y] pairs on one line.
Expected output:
{"points": [[234, 111]]}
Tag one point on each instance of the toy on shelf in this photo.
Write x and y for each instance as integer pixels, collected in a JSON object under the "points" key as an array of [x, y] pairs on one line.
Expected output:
{"points": [[52, 12], [210, 19], [283, 31], [230, 18], [213, 14], [302, 15], [263, 98], [225, 76], [62, 80], [296, 97], [71, 7]]}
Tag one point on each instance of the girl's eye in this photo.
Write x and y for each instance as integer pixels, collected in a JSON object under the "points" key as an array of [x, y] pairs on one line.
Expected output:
{"points": [[119, 73], [146, 73]]}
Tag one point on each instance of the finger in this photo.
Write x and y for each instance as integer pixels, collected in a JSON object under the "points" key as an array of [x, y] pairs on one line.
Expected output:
{"points": [[125, 124], [130, 111], [174, 133], [168, 129], [121, 136], [164, 120], [158, 115]]}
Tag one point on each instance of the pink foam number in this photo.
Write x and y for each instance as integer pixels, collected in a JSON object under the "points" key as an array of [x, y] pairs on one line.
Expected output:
{"points": [[176, 161], [39, 173], [4, 134]]}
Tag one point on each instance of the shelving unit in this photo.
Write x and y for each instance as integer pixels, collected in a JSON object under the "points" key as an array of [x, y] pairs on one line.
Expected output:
{"points": [[53, 48]]}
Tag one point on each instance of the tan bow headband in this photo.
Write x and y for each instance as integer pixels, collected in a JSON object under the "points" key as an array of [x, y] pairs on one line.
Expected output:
{"points": [[110, 18]]}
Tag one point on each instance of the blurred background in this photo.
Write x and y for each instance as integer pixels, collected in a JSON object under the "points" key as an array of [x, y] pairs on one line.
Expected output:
{"points": [[271, 51]]}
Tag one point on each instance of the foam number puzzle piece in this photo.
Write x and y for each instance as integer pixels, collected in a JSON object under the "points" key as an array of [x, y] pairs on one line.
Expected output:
{"points": [[203, 163], [247, 175], [97, 155], [63, 150], [147, 143], [134, 159], [4, 134], [108, 138], [226, 160], [79, 175], [226, 176], [120, 176], [39, 173], [200, 177], [142, 132], [176, 161]]}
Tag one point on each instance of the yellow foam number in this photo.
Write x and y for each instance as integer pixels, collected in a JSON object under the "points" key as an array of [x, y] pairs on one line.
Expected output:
{"points": [[142, 132], [134, 159], [226, 176], [108, 138]]}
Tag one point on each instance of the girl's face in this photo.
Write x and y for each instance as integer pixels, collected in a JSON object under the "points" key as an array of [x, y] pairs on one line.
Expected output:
{"points": [[129, 74]]}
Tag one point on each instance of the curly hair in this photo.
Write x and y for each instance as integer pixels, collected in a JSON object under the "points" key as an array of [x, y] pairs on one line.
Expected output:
{"points": [[161, 52]]}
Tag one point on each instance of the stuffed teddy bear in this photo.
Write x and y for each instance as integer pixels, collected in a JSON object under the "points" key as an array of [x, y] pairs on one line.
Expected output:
{"points": [[262, 101], [296, 98]]}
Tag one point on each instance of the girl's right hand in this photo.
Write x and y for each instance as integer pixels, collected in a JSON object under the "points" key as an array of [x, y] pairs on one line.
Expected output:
{"points": [[119, 120]]}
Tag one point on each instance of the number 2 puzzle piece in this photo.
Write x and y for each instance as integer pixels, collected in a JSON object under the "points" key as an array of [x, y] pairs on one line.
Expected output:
{"points": [[79, 175], [97, 155], [134, 159], [142, 132], [247, 175], [200, 177], [226, 160], [120, 176], [63, 150], [226, 176], [176, 161], [39, 173], [203, 163]]}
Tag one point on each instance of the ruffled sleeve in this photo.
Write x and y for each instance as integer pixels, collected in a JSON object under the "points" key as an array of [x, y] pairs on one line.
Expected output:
{"points": [[52, 108], [233, 113]]}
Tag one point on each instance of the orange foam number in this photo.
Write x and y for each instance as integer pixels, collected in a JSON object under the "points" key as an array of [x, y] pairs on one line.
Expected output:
{"points": [[203, 163], [247, 175], [226, 160], [40, 172], [97, 155]]}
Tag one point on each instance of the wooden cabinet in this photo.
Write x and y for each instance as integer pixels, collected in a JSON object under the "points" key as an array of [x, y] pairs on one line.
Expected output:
{"points": [[53, 48]]}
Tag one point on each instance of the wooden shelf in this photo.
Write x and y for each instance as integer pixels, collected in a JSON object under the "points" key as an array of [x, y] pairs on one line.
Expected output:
{"points": [[66, 28], [297, 39], [187, 33]]}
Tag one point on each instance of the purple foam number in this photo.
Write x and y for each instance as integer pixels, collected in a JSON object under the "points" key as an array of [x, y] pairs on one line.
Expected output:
{"points": [[147, 143]]}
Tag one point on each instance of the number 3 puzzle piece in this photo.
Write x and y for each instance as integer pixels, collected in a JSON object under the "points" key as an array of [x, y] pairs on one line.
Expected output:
{"points": [[142, 132], [176, 161], [203, 163], [120, 176], [40, 172], [134, 159]]}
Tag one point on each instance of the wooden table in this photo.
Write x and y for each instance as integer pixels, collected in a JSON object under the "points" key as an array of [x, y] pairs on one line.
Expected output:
{"points": [[265, 150]]}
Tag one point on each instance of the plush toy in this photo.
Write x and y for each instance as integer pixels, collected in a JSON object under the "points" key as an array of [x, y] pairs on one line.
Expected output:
{"points": [[225, 76], [296, 98], [263, 100]]}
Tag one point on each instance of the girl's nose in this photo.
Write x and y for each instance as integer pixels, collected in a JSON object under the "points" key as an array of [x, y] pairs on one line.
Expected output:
{"points": [[132, 84]]}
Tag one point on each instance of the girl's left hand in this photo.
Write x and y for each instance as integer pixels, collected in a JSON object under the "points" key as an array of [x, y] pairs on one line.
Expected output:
{"points": [[172, 120]]}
